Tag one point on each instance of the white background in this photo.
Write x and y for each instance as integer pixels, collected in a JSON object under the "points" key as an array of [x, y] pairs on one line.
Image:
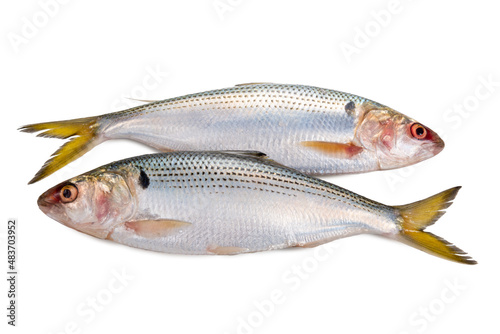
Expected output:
{"points": [[427, 59]]}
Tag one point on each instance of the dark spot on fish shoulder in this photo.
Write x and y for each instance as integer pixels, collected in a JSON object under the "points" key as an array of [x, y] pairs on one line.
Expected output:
{"points": [[349, 107], [143, 179]]}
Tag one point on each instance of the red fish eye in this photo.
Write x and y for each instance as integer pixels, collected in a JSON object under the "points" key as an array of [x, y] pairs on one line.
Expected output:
{"points": [[68, 193], [418, 131]]}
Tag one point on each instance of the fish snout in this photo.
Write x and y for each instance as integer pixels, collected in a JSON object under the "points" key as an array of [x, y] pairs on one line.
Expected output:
{"points": [[437, 142], [46, 202], [438, 146], [50, 197]]}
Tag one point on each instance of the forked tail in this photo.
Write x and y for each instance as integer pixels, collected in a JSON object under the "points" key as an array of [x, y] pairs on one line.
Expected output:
{"points": [[415, 217], [85, 136]]}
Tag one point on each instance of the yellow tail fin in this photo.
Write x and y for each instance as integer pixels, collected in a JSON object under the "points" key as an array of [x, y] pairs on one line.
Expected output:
{"points": [[415, 217], [84, 131]]}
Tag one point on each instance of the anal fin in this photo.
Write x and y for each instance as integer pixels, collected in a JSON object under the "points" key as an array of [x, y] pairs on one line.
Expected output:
{"points": [[311, 244], [316, 243]]}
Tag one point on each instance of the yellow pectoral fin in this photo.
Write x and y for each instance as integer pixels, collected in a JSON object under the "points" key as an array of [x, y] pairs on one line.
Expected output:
{"points": [[156, 228], [339, 150]]}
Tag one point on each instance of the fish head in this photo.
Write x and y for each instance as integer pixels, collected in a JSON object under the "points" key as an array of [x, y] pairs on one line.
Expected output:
{"points": [[90, 203], [395, 139]]}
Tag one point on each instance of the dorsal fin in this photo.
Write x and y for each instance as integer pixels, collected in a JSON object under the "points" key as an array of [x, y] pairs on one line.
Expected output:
{"points": [[243, 153], [254, 154], [254, 83], [138, 100]]}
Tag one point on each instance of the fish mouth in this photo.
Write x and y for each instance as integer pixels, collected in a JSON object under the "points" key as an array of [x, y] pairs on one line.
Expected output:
{"points": [[49, 208], [48, 203], [435, 143], [51, 196], [438, 145], [43, 204], [52, 210]]}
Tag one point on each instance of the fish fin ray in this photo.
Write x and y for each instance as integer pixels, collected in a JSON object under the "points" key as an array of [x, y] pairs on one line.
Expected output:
{"points": [[255, 154], [339, 150], [315, 243], [226, 250], [243, 153], [140, 100], [253, 83], [311, 244], [415, 217], [165, 150], [155, 228]]}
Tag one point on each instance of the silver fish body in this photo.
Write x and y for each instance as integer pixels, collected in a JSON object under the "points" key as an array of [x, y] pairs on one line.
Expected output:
{"points": [[314, 130], [215, 203], [269, 118], [247, 205]]}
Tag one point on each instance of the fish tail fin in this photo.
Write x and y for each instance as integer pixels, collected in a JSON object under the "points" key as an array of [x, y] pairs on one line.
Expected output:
{"points": [[415, 217], [84, 134]]}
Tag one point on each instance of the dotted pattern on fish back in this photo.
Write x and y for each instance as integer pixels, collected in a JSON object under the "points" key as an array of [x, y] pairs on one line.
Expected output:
{"points": [[219, 170], [267, 96]]}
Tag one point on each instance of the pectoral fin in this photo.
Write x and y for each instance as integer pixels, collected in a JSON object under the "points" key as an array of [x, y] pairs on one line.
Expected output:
{"points": [[339, 150], [156, 228]]}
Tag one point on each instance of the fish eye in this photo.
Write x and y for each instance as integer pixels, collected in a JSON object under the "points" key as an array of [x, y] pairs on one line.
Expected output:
{"points": [[68, 193], [418, 131]]}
